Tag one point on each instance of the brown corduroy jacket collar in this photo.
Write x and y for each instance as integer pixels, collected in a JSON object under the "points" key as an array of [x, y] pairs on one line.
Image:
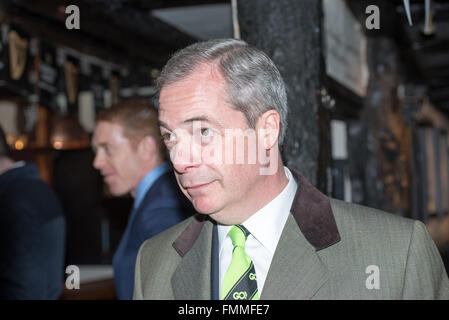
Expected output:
{"points": [[311, 210]]}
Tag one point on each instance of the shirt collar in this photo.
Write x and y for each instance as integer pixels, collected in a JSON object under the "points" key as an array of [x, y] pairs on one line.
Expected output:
{"points": [[17, 164], [266, 225], [147, 181]]}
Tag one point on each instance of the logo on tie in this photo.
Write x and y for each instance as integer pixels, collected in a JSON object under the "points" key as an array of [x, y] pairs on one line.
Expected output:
{"points": [[240, 295]]}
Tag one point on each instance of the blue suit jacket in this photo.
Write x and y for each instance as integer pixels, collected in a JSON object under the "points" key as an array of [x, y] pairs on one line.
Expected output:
{"points": [[32, 237], [163, 206]]}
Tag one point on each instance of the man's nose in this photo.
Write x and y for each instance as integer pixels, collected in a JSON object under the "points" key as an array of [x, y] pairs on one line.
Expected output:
{"points": [[98, 161], [185, 155]]}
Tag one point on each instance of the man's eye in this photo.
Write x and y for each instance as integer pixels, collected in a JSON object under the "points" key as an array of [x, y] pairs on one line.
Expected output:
{"points": [[167, 137], [207, 135], [206, 132]]}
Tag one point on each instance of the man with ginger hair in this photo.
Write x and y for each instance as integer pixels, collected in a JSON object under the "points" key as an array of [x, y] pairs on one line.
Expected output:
{"points": [[131, 158]]}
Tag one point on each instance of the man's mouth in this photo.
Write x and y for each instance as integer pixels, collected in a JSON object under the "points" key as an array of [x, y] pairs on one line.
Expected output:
{"points": [[108, 176], [196, 187]]}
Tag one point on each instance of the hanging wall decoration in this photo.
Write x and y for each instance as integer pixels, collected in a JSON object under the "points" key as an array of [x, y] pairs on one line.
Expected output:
{"points": [[98, 86], [14, 71], [18, 48], [48, 75], [71, 77], [114, 87]]}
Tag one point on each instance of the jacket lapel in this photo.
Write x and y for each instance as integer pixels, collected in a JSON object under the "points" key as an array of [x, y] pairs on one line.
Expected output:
{"points": [[191, 280], [313, 214], [296, 271]]}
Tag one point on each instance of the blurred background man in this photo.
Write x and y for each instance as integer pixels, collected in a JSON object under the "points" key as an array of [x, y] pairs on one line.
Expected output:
{"points": [[32, 232], [131, 158]]}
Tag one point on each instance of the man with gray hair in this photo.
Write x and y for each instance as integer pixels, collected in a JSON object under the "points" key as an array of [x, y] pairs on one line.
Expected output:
{"points": [[263, 231]]}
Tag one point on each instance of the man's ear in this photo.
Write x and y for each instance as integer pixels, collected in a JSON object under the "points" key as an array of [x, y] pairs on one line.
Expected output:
{"points": [[147, 147], [269, 124]]}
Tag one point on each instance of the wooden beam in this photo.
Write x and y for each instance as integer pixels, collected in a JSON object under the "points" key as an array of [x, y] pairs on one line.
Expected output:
{"points": [[128, 32], [163, 4]]}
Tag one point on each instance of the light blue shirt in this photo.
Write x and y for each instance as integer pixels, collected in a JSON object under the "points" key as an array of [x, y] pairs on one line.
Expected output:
{"points": [[147, 181]]}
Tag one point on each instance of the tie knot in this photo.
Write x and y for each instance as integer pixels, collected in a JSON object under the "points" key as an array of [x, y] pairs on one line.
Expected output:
{"points": [[238, 235]]}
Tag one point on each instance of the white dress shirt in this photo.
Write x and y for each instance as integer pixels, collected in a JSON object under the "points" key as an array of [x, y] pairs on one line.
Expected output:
{"points": [[265, 226]]}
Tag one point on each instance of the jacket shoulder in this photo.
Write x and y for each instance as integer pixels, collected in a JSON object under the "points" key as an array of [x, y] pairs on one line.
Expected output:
{"points": [[157, 256], [400, 249], [164, 239], [165, 193], [352, 217]]}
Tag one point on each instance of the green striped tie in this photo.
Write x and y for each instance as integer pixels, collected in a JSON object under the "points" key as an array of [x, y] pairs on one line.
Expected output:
{"points": [[239, 282]]}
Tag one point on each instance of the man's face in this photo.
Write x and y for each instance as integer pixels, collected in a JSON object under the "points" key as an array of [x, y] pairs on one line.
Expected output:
{"points": [[193, 117], [117, 159]]}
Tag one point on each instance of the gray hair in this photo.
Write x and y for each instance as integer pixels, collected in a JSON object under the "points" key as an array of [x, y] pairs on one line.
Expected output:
{"points": [[255, 85]]}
